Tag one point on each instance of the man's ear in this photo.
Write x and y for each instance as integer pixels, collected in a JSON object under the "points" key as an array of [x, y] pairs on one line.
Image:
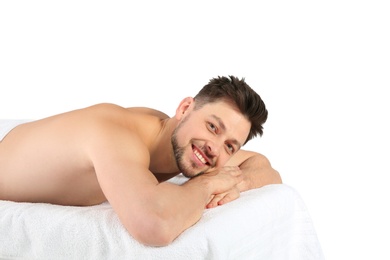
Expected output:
{"points": [[185, 106]]}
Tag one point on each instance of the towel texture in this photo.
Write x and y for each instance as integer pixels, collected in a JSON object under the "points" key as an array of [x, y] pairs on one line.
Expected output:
{"points": [[266, 223]]}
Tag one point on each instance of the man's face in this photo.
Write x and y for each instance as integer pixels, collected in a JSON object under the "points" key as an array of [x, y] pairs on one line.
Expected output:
{"points": [[206, 138]]}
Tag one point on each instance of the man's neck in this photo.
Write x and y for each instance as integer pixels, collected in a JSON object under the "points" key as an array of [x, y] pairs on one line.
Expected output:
{"points": [[162, 159]]}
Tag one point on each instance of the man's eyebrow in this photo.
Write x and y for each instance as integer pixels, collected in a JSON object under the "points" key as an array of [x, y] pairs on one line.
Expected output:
{"points": [[223, 127], [220, 122]]}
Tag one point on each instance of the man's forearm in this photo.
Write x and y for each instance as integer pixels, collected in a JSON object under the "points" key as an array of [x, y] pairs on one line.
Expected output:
{"points": [[169, 210]]}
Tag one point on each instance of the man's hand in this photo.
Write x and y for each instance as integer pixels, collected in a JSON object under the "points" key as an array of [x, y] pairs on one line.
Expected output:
{"points": [[230, 195], [226, 180], [256, 171], [222, 198]]}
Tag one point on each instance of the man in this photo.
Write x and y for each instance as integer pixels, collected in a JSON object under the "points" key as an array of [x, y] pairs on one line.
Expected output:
{"points": [[109, 153]]}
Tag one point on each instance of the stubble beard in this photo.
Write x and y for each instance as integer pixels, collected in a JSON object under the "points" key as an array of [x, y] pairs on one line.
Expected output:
{"points": [[178, 153]]}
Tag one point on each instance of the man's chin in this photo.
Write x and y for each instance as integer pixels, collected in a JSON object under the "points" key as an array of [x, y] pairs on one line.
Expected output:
{"points": [[193, 175]]}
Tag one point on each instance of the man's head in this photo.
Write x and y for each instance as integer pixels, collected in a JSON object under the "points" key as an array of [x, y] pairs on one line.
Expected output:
{"points": [[239, 94], [223, 116]]}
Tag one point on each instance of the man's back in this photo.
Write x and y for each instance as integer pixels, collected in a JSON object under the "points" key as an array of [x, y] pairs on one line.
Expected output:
{"points": [[49, 160]]}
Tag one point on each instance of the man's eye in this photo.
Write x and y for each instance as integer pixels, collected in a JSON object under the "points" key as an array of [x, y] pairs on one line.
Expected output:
{"points": [[230, 148], [212, 127]]}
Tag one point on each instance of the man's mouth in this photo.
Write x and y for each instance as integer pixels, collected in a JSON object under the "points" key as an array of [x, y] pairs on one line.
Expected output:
{"points": [[200, 157]]}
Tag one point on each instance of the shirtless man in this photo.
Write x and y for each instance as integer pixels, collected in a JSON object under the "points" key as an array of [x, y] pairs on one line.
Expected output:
{"points": [[124, 155]]}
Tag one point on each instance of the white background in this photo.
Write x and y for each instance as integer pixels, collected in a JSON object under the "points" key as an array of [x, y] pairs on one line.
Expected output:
{"points": [[322, 68]]}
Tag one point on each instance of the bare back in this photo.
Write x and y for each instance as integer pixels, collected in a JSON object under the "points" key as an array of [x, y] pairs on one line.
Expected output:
{"points": [[48, 160]]}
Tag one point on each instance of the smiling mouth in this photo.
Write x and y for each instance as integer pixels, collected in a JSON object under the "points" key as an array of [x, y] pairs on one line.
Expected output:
{"points": [[200, 157]]}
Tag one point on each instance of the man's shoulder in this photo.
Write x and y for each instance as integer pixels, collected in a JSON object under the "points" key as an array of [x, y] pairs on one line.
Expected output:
{"points": [[109, 122], [147, 111], [107, 108]]}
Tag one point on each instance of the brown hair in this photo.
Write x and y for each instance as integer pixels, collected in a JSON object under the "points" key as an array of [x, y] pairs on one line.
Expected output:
{"points": [[237, 91]]}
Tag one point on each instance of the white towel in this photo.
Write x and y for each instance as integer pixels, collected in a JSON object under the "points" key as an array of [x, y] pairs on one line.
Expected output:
{"points": [[266, 223]]}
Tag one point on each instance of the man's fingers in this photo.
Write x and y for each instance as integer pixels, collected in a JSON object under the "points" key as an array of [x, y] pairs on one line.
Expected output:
{"points": [[224, 179], [223, 198], [214, 202]]}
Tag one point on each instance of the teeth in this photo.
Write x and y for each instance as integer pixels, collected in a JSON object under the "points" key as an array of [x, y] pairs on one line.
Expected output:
{"points": [[200, 157]]}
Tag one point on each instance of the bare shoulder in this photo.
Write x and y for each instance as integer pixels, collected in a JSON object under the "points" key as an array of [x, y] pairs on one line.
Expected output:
{"points": [[148, 111], [115, 122], [108, 115], [120, 134]]}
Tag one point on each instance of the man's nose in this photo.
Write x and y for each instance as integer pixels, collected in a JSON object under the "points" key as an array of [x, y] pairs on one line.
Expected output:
{"points": [[213, 149]]}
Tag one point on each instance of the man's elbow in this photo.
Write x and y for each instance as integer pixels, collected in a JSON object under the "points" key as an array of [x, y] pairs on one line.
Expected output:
{"points": [[151, 231], [277, 179]]}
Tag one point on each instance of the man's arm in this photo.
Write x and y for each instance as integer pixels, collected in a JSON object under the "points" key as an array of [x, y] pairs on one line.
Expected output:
{"points": [[257, 172], [154, 213]]}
